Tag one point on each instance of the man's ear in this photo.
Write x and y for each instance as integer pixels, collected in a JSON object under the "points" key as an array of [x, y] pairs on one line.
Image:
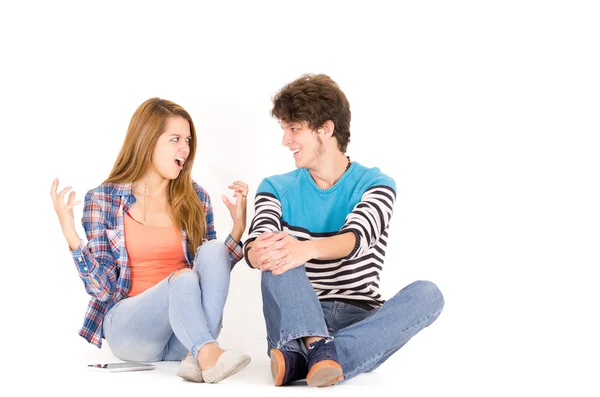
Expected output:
{"points": [[327, 129]]}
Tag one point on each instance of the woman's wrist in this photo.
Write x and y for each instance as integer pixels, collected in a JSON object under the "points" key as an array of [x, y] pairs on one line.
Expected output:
{"points": [[237, 232], [72, 238]]}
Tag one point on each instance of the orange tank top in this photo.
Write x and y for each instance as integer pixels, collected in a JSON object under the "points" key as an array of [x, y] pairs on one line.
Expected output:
{"points": [[154, 253]]}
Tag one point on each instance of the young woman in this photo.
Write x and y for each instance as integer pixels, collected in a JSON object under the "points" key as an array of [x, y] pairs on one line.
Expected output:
{"points": [[157, 277]]}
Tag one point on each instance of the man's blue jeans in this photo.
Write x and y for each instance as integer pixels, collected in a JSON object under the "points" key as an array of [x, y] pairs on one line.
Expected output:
{"points": [[363, 339]]}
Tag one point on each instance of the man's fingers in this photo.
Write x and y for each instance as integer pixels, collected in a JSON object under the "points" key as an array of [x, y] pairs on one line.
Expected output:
{"points": [[272, 266], [264, 240], [275, 260], [279, 244], [281, 269], [278, 236], [268, 256], [264, 236]]}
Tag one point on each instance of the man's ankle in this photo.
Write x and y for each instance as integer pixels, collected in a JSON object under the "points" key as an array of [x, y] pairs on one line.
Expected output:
{"points": [[309, 340]]}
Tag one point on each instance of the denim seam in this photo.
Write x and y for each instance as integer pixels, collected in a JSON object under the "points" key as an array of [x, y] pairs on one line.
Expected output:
{"points": [[283, 341], [332, 315], [381, 354], [195, 349]]}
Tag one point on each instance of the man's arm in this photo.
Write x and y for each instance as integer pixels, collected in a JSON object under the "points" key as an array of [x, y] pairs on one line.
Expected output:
{"points": [[265, 224], [339, 246], [370, 218], [300, 252], [363, 228]]}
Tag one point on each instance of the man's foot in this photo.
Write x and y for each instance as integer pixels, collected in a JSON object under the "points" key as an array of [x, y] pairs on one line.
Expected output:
{"points": [[287, 367], [323, 366]]}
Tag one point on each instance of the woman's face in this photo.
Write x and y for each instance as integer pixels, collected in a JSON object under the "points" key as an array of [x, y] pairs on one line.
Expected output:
{"points": [[172, 148]]}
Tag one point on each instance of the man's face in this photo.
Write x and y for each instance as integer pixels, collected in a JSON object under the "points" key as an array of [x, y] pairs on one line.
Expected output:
{"points": [[304, 143]]}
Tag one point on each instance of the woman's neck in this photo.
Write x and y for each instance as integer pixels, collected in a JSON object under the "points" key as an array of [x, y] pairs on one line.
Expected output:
{"points": [[152, 186]]}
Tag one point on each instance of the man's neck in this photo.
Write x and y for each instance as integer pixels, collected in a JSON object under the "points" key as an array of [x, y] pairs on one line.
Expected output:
{"points": [[330, 170]]}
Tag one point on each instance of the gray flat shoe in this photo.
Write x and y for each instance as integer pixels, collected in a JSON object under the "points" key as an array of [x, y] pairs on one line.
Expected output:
{"points": [[190, 370], [228, 363]]}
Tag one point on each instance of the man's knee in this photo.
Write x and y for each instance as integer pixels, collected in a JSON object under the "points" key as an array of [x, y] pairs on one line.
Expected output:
{"points": [[429, 292]]}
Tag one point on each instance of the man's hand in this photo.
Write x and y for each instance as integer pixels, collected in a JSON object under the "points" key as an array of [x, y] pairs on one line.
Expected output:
{"points": [[299, 252], [266, 251]]}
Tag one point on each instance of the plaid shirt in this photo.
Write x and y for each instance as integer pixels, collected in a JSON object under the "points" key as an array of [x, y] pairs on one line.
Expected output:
{"points": [[103, 263]]}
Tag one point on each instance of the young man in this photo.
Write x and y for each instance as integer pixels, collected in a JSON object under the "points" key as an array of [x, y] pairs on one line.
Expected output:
{"points": [[319, 236]]}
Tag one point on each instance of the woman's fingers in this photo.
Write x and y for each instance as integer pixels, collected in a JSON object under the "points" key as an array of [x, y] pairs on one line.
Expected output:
{"points": [[53, 189], [240, 183], [62, 192], [240, 187], [70, 206]]}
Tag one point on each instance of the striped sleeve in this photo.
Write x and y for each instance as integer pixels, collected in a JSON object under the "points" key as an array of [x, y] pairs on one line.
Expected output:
{"points": [[267, 218], [267, 215], [370, 218]]}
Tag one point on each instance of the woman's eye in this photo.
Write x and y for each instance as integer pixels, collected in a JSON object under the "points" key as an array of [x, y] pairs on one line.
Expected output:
{"points": [[174, 139]]}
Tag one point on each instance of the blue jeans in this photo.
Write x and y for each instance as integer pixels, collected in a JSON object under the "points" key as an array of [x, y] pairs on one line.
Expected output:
{"points": [[363, 339], [177, 315]]}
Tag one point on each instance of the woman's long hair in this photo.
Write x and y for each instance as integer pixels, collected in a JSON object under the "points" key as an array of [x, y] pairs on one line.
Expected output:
{"points": [[147, 124]]}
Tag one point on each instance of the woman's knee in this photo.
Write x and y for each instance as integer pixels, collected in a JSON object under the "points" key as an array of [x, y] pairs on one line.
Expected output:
{"points": [[181, 272], [211, 253], [136, 351]]}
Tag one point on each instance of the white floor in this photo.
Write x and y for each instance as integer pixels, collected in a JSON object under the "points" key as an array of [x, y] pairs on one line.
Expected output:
{"points": [[476, 347], [411, 372]]}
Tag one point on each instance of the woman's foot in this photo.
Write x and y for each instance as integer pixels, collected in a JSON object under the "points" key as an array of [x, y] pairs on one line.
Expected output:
{"points": [[227, 364], [208, 355], [190, 370]]}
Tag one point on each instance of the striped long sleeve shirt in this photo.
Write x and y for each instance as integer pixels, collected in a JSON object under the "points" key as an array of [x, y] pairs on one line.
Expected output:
{"points": [[361, 202]]}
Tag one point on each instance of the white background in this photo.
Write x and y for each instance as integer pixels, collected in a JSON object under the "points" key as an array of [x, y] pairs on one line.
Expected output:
{"points": [[484, 113]]}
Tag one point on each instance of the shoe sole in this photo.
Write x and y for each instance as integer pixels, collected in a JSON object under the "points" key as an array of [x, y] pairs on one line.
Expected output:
{"points": [[325, 373], [277, 367]]}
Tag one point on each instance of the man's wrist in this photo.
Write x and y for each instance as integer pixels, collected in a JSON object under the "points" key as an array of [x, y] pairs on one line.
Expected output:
{"points": [[311, 248], [248, 252]]}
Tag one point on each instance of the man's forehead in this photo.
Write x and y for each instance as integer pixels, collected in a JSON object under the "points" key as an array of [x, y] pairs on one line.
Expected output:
{"points": [[288, 124]]}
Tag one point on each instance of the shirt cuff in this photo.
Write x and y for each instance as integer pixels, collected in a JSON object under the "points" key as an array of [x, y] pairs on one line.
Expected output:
{"points": [[80, 259], [246, 249], [235, 248]]}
